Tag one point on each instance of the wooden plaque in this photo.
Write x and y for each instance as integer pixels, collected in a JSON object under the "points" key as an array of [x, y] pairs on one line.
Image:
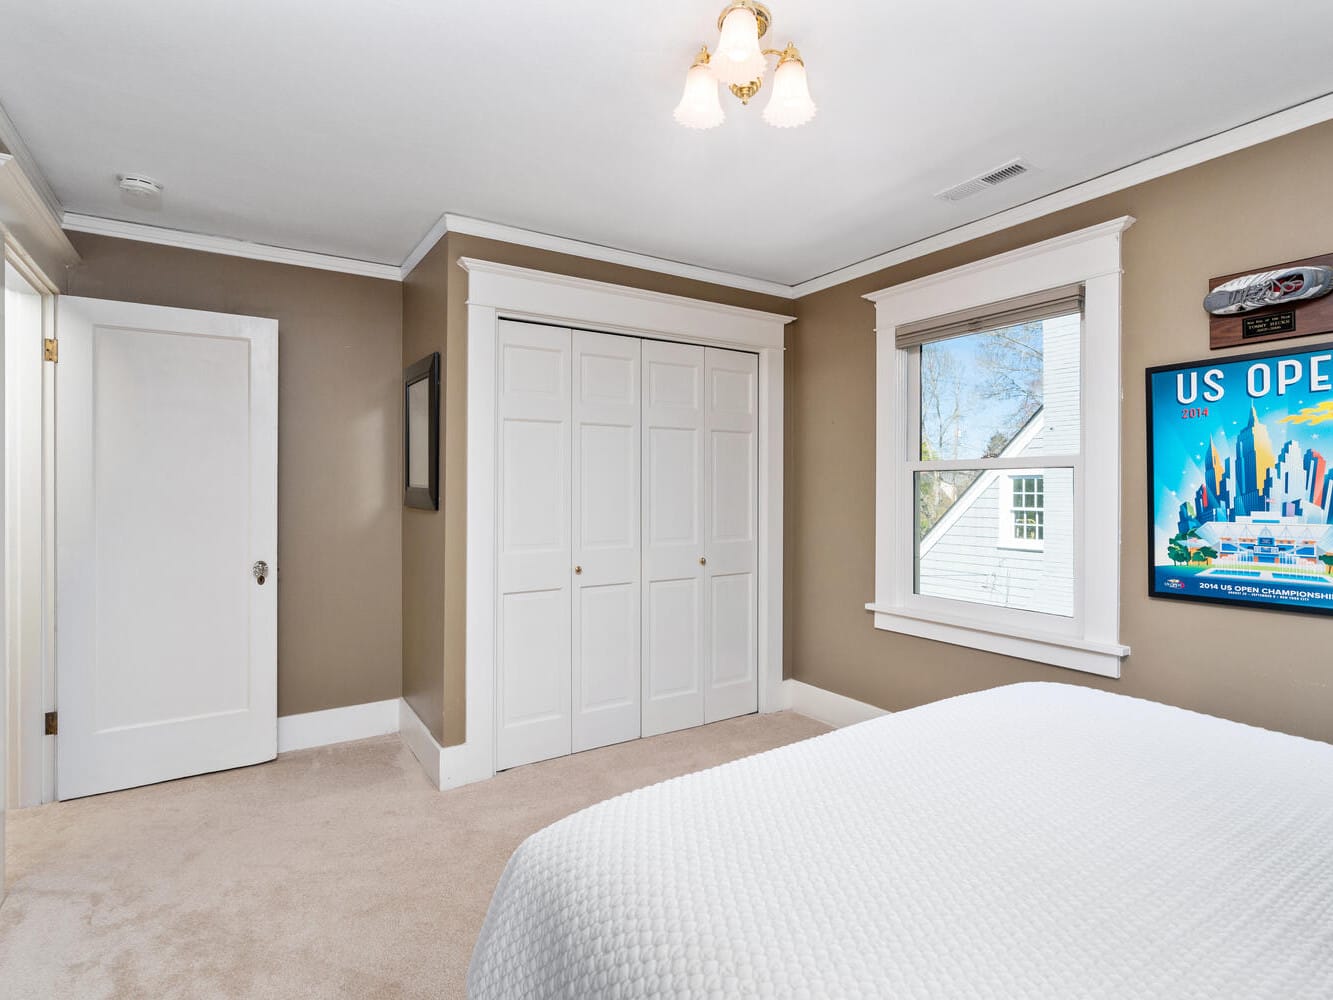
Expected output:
{"points": [[1299, 319]]}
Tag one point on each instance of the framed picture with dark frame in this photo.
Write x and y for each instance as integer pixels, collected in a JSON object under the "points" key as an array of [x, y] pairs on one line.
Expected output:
{"points": [[421, 433], [1240, 480]]}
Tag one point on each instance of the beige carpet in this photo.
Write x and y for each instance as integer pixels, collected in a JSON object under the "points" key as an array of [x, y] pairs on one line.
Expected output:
{"points": [[335, 872]]}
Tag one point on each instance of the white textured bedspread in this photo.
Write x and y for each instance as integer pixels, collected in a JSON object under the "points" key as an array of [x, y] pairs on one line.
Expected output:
{"points": [[1039, 840]]}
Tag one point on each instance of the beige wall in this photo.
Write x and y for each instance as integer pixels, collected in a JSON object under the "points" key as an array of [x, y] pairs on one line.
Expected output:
{"points": [[339, 445], [1256, 207], [440, 688], [424, 328]]}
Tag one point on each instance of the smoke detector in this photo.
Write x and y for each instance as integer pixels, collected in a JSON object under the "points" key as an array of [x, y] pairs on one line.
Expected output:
{"points": [[139, 186], [984, 182]]}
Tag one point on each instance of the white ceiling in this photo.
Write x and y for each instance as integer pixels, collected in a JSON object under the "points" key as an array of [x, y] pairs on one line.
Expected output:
{"points": [[349, 128]]}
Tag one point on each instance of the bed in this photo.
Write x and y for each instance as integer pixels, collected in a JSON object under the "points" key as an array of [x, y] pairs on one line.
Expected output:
{"points": [[1037, 840]]}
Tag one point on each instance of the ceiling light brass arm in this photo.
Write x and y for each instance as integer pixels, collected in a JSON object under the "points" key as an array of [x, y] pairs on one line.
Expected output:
{"points": [[746, 91], [790, 54]]}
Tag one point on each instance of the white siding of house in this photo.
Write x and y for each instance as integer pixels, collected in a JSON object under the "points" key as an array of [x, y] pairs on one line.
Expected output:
{"points": [[963, 559]]}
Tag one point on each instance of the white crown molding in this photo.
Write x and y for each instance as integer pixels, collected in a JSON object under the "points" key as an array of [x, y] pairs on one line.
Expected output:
{"points": [[1232, 140], [227, 246], [595, 251], [1253, 133], [433, 235], [12, 141], [29, 228]]}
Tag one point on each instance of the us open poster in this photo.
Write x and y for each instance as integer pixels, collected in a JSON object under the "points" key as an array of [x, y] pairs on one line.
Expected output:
{"points": [[1240, 473]]}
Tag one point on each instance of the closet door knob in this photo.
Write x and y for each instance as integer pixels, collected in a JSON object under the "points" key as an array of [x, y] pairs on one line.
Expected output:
{"points": [[703, 560], [578, 570]]}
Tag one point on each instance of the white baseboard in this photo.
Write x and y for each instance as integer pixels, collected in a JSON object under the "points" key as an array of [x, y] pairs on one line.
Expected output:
{"points": [[419, 740], [337, 725], [825, 706], [451, 767], [447, 767]]}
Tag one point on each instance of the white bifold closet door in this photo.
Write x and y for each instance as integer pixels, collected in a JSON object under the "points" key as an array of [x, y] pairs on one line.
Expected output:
{"points": [[569, 542], [731, 525], [700, 539], [535, 547], [606, 540], [627, 539]]}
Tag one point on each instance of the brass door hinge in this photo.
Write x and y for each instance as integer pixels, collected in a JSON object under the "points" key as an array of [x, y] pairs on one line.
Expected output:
{"points": [[51, 349], [51, 724]]}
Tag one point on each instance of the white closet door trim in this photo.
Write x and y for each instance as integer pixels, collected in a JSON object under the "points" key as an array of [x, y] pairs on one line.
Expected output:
{"points": [[522, 293], [498, 291]]}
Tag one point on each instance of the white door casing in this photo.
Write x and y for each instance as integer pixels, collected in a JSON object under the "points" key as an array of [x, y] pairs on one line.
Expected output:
{"points": [[4, 601], [533, 698], [166, 471], [675, 625], [24, 308], [606, 411], [731, 511]]}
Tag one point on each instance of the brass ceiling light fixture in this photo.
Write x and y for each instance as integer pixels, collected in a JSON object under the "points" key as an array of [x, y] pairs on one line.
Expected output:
{"points": [[740, 63]]}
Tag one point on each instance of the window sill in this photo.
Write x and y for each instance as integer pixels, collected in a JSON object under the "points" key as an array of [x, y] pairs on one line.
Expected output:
{"points": [[1102, 658], [1009, 546]]}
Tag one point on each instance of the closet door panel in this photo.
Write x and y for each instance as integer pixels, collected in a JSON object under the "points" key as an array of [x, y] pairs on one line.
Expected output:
{"points": [[533, 702], [674, 486], [606, 639], [731, 522]]}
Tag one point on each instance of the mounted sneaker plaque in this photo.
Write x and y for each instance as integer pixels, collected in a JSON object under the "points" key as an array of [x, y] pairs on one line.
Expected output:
{"points": [[1275, 303]]}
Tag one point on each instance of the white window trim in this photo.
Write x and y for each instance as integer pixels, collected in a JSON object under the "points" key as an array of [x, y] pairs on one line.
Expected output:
{"points": [[1004, 523], [1089, 640]]}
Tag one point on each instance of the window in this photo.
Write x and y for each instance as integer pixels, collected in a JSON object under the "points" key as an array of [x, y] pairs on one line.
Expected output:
{"points": [[1024, 526], [989, 402], [998, 454]]}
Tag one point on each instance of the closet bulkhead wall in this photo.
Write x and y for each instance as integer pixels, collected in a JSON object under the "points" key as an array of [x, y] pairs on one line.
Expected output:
{"points": [[628, 543]]}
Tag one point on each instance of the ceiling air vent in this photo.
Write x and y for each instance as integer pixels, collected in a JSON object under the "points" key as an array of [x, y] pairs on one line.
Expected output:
{"points": [[983, 182]]}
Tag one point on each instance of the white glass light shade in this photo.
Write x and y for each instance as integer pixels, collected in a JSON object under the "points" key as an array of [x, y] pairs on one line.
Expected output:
{"points": [[699, 106], [790, 104], [738, 58]]}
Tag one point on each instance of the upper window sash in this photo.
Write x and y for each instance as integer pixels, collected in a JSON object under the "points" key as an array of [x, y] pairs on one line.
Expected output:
{"points": [[911, 457]]}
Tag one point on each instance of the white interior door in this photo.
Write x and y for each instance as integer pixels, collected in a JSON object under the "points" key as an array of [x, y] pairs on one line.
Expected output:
{"points": [[535, 564], [674, 608], [731, 514], [166, 496], [606, 540]]}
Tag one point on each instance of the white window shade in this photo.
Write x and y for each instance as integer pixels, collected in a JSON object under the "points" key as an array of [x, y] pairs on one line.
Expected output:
{"points": [[1031, 308]]}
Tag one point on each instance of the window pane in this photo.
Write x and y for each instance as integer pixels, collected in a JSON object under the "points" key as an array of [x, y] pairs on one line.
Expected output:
{"points": [[936, 493], [1007, 392], [997, 537]]}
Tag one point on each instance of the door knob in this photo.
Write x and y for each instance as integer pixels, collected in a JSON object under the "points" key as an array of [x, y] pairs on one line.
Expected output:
{"points": [[260, 572], [703, 560], [578, 570]]}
